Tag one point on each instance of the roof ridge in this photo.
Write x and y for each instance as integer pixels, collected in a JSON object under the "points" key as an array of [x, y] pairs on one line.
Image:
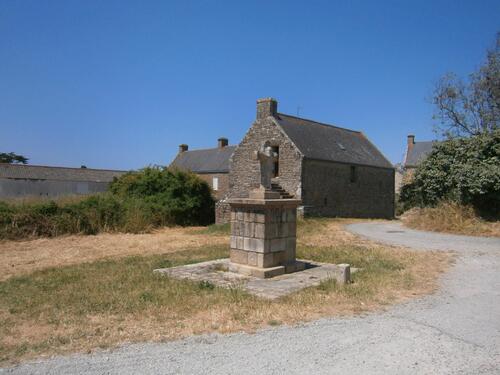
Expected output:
{"points": [[320, 123], [59, 167], [209, 149]]}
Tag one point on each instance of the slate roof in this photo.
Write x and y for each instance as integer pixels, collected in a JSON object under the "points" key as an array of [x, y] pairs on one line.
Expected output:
{"points": [[418, 152], [38, 172], [212, 160], [326, 142]]}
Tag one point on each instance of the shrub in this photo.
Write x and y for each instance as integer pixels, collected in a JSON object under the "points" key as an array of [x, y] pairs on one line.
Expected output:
{"points": [[137, 202], [463, 170], [173, 196]]}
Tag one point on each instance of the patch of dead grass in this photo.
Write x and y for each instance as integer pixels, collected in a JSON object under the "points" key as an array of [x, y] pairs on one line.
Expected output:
{"points": [[452, 218], [22, 257]]}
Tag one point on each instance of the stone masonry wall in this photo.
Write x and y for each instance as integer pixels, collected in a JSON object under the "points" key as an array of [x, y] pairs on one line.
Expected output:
{"points": [[244, 172], [222, 212], [408, 175], [327, 190]]}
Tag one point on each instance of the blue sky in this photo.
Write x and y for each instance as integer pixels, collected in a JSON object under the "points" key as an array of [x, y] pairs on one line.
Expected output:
{"points": [[119, 84]]}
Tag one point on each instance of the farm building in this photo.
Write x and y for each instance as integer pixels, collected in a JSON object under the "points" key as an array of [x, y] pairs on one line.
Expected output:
{"points": [[20, 180]]}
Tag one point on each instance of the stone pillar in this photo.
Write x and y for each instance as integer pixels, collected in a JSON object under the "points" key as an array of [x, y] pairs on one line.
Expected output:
{"points": [[263, 236]]}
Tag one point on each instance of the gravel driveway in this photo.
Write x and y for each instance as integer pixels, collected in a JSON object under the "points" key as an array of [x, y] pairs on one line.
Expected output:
{"points": [[455, 331]]}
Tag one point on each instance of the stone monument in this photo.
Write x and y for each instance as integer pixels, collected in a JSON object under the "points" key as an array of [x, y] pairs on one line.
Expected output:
{"points": [[264, 226], [263, 243]]}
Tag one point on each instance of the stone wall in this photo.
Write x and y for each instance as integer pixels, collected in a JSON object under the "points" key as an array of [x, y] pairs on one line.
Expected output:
{"points": [[244, 172], [408, 175], [398, 179], [222, 212], [334, 189]]}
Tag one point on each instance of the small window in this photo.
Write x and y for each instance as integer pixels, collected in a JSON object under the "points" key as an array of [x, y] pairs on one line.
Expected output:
{"points": [[354, 174], [215, 183]]}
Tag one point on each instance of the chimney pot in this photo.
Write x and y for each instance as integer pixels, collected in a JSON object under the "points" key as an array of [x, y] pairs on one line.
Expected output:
{"points": [[266, 107], [183, 147], [222, 142]]}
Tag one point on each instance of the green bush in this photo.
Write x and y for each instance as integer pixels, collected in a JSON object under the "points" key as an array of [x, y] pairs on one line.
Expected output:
{"points": [[171, 196], [136, 202], [462, 170]]}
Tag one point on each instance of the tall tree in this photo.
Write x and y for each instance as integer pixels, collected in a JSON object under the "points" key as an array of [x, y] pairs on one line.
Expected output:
{"points": [[12, 158], [472, 107]]}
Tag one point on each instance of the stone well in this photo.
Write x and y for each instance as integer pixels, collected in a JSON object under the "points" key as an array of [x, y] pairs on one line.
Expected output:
{"points": [[263, 235]]}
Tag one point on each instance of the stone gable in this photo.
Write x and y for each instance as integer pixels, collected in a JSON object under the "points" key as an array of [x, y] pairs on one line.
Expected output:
{"points": [[244, 174]]}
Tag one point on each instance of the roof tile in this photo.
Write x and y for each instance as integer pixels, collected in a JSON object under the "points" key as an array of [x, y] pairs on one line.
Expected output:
{"points": [[326, 142], [213, 160], [418, 153]]}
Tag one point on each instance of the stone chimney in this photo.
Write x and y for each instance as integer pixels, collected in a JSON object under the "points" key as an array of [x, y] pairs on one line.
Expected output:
{"points": [[222, 142], [411, 141], [266, 107], [183, 147]]}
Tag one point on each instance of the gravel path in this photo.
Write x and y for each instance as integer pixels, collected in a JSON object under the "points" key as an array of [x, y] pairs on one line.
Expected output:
{"points": [[455, 331]]}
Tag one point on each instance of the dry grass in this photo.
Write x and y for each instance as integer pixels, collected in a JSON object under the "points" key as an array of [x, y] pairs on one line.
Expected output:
{"points": [[327, 232], [35, 199], [101, 304], [451, 218], [21, 257]]}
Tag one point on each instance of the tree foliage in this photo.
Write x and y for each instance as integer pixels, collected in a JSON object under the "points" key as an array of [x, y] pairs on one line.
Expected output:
{"points": [[472, 107], [181, 197], [12, 158], [461, 170]]}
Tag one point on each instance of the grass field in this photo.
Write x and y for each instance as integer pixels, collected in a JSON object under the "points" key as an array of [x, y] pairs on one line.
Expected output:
{"points": [[106, 299]]}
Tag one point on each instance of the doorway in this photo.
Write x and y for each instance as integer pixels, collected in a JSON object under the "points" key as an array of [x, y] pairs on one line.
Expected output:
{"points": [[276, 168]]}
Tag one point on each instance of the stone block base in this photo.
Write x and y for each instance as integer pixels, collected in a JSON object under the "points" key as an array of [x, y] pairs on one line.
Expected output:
{"points": [[261, 273], [222, 272], [295, 267], [263, 260], [262, 265]]}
